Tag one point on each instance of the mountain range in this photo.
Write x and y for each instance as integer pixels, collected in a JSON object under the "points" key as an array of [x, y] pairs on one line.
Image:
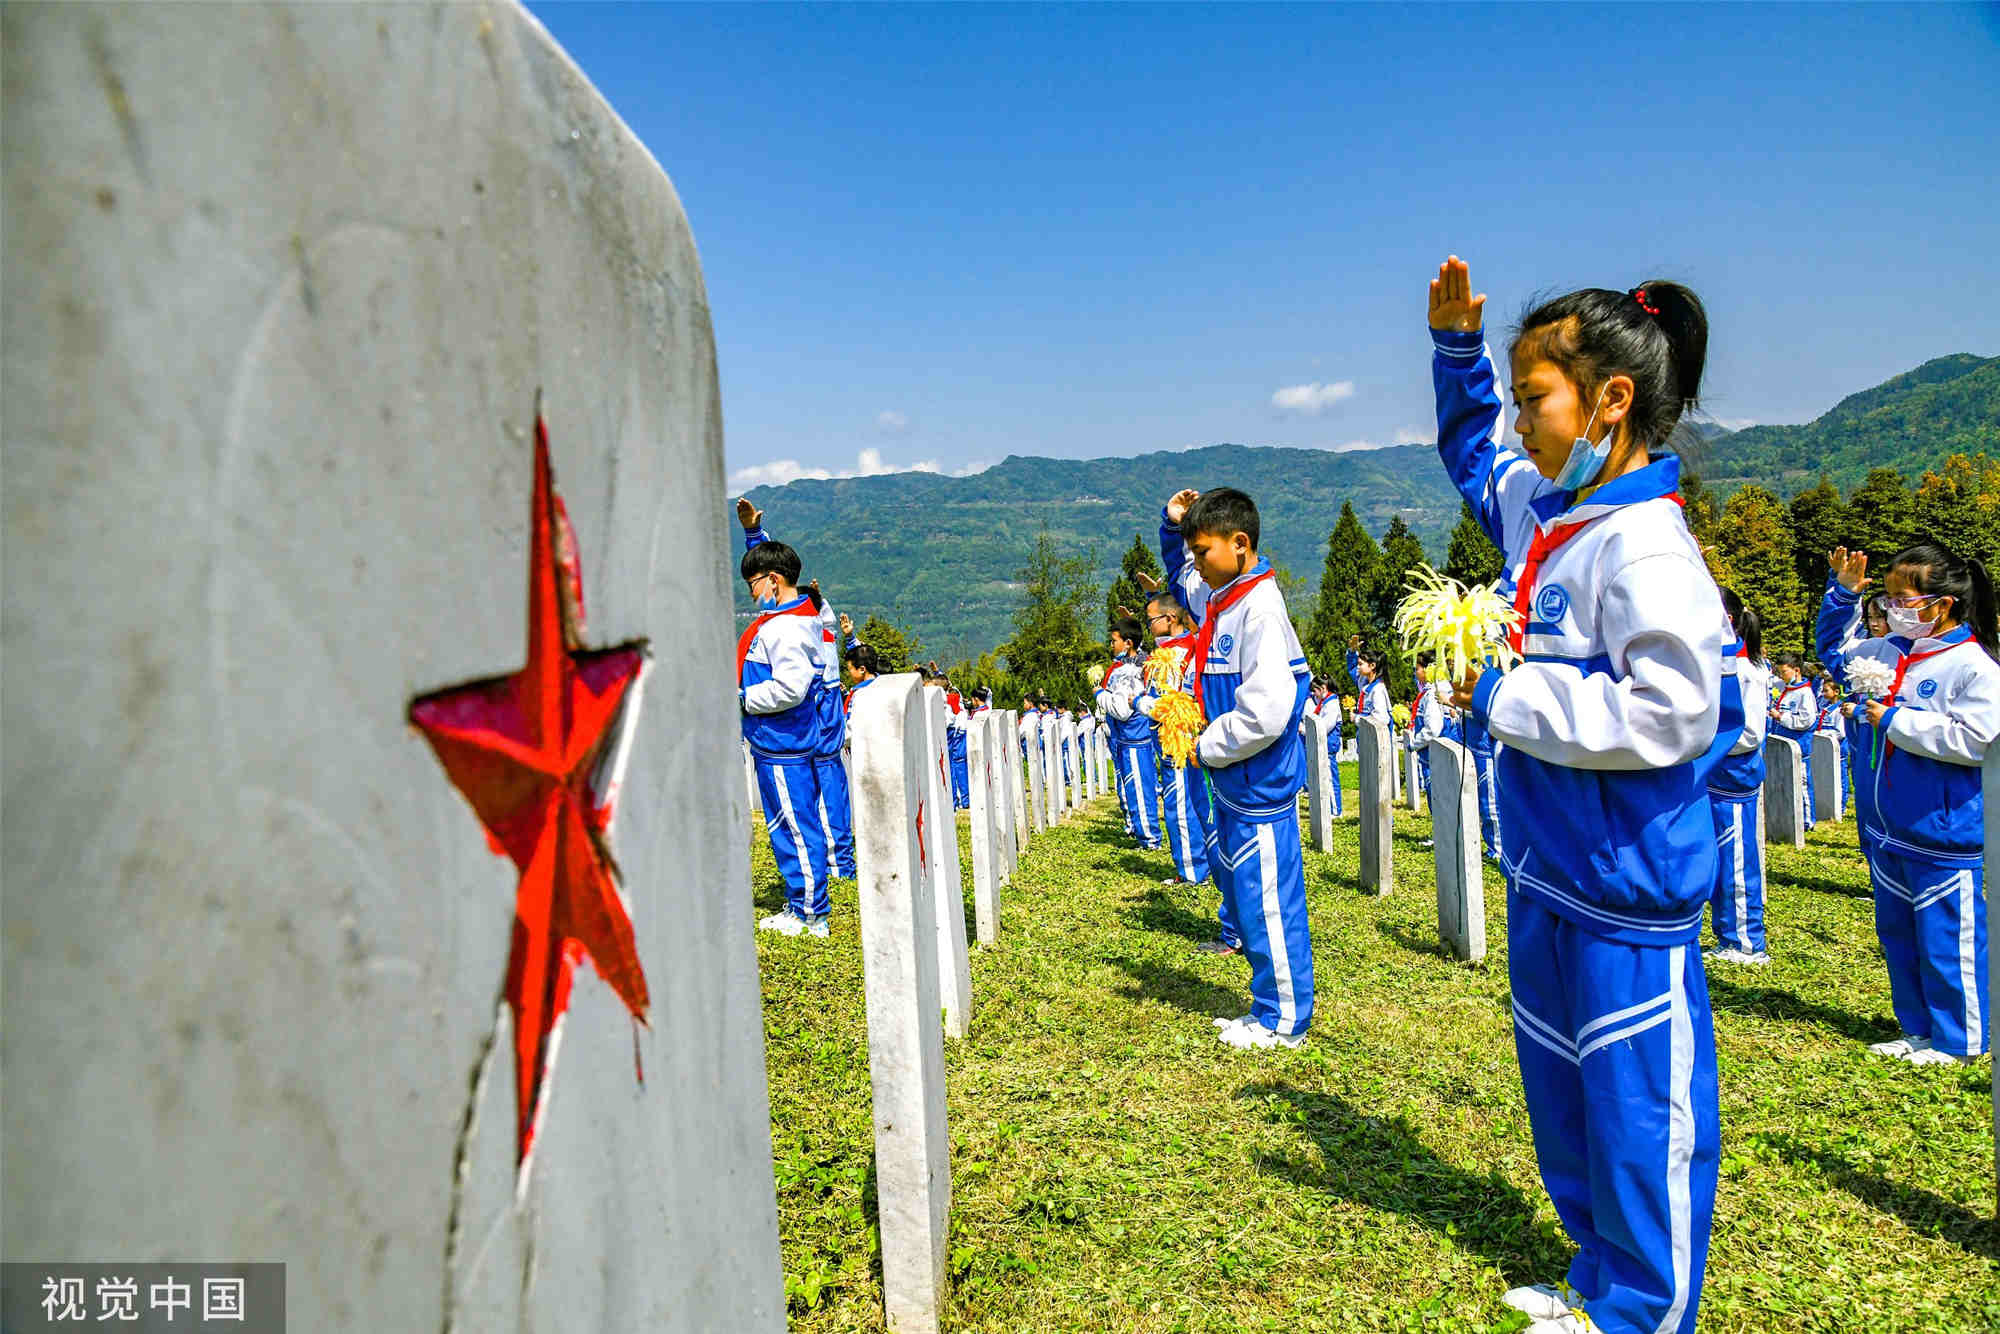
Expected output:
{"points": [[940, 555]]}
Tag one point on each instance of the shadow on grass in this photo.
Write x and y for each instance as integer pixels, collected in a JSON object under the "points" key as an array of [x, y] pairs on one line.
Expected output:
{"points": [[1384, 1164], [1156, 911], [1820, 884], [1179, 987], [1145, 865], [1772, 1003], [1921, 1210], [1411, 941]]}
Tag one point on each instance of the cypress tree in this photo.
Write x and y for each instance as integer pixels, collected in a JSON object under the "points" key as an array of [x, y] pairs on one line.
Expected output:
{"points": [[1402, 553], [1756, 532], [1125, 590], [1472, 558], [1342, 608]]}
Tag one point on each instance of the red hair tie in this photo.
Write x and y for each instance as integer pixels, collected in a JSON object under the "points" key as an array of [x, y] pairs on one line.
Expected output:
{"points": [[1638, 294]]}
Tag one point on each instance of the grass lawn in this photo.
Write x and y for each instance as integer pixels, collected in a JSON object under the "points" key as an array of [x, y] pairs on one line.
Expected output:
{"points": [[1116, 1169]]}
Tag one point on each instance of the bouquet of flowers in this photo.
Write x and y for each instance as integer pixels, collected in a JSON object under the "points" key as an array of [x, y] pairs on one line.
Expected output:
{"points": [[1399, 714], [1163, 670], [1175, 713], [1461, 628], [1096, 675], [1867, 680]]}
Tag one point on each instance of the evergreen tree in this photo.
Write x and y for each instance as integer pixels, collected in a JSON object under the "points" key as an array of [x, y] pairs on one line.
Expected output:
{"points": [[1402, 553], [896, 646], [1881, 516], [1125, 589], [1756, 535], [1472, 558], [1051, 646], [1819, 524], [1704, 516], [1958, 506], [1342, 608]]}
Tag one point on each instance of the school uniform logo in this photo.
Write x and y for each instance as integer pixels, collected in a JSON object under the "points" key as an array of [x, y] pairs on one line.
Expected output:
{"points": [[1551, 603], [1927, 689], [1226, 642]]}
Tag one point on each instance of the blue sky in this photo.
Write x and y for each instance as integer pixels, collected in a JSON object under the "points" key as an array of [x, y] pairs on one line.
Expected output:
{"points": [[936, 236]]}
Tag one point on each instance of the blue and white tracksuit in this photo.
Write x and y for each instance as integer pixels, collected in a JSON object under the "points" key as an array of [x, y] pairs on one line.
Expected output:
{"points": [[1329, 710], [1373, 701], [780, 694], [1926, 812], [1133, 748], [1426, 725], [1480, 742], [835, 807], [1253, 687], [1609, 731], [954, 740], [1184, 804], [1736, 794], [1797, 712]]}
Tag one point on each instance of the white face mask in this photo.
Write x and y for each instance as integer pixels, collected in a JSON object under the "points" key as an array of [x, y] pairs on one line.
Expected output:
{"points": [[1909, 622]]}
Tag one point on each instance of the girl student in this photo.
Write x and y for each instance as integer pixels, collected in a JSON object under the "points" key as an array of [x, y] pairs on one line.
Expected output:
{"points": [[1917, 755], [1609, 731], [1736, 792]]}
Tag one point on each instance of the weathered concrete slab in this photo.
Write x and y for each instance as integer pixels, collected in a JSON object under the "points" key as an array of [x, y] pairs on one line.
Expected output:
{"points": [[1377, 783], [1461, 891], [987, 852], [947, 883], [1784, 792], [1017, 799], [1829, 785], [1036, 767], [1413, 780], [1319, 784], [896, 798], [750, 781], [280, 284], [1052, 779]]}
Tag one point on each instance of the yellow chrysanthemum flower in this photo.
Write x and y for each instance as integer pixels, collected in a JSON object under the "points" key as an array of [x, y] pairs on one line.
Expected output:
{"points": [[1462, 628]]}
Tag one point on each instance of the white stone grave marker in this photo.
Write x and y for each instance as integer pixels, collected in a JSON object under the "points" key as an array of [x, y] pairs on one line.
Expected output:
{"points": [[1052, 779], [1031, 763], [986, 836], [1377, 784], [1413, 779], [1319, 784], [1461, 892], [954, 964], [1784, 792], [1017, 800], [1829, 785], [895, 816], [750, 781]]}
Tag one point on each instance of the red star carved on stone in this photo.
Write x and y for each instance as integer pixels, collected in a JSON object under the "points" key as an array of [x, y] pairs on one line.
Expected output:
{"points": [[539, 755], [923, 848]]}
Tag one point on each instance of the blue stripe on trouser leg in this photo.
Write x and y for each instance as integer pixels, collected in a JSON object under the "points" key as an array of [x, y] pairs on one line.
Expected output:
{"points": [[961, 783], [836, 813], [1333, 770], [1937, 976], [1141, 783], [1617, 1052], [791, 807], [1260, 868], [1489, 798], [1186, 815], [1736, 906], [1424, 763], [1225, 915]]}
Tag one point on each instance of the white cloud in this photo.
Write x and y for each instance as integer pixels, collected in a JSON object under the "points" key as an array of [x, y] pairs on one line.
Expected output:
{"points": [[890, 422], [1349, 446], [868, 463], [1310, 400], [1735, 423], [1411, 435]]}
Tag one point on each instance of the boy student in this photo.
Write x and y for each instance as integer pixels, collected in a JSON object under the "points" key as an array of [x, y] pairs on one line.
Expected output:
{"points": [[954, 729], [834, 809], [1183, 795], [1251, 680], [1326, 704], [780, 685], [1794, 715], [1366, 665], [1132, 733]]}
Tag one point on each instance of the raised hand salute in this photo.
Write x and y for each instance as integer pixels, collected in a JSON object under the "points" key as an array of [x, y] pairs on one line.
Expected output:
{"points": [[1453, 306]]}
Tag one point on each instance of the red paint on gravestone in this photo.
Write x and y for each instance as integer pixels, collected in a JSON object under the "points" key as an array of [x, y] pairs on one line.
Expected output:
{"points": [[537, 754]]}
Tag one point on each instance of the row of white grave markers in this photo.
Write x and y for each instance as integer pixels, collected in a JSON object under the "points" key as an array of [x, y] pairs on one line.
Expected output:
{"points": [[954, 967]]}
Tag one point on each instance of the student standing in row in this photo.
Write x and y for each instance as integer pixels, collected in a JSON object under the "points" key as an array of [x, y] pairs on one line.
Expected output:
{"points": [[1793, 716], [1736, 792], [1138, 772]]}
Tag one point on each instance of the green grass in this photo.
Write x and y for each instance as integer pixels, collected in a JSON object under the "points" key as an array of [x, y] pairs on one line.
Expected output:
{"points": [[1116, 1169]]}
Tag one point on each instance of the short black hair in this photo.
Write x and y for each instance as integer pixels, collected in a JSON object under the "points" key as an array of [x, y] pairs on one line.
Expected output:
{"points": [[1424, 660], [772, 558], [1220, 512], [1789, 659], [1128, 627], [863, 658]]}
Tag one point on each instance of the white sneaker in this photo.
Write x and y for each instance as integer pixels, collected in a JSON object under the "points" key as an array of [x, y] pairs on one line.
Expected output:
{"points": [[1730, 954], [1250, 1034], [1237, 1022], [1932, 1056], [783, 923], [1539, 1302], [1570, 1322], [817, 928], [1900, 1047]]}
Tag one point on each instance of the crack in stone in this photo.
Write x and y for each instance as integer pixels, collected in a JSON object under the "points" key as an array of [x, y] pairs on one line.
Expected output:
{"points": [[454, 1226]]}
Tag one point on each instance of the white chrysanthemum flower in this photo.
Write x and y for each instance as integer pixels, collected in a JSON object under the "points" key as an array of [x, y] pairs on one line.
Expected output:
{"points": [[1869, 678]]}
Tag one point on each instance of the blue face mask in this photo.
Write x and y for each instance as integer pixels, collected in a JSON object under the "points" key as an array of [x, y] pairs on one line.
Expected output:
{"points": [[1586, 460], [767, 604]]}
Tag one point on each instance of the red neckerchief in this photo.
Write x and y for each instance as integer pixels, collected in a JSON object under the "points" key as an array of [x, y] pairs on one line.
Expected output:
{"points": [[750, 635], [1903, 665], [1217, 604], [1546, 543]]}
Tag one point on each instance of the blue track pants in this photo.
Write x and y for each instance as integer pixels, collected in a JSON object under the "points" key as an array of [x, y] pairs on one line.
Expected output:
{"points": [[1930, 916], [1617, 1054], [961, 781], [1138, 787], [1736, 905], [790, 789], [1259, 868], [1489, 801], [836, 814], [1185, 810], [1333, 770]]}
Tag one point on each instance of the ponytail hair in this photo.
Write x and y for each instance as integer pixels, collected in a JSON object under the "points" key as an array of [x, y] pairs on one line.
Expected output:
{"points": [[1656, 334], [1745, 622], [1937, 573]]}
